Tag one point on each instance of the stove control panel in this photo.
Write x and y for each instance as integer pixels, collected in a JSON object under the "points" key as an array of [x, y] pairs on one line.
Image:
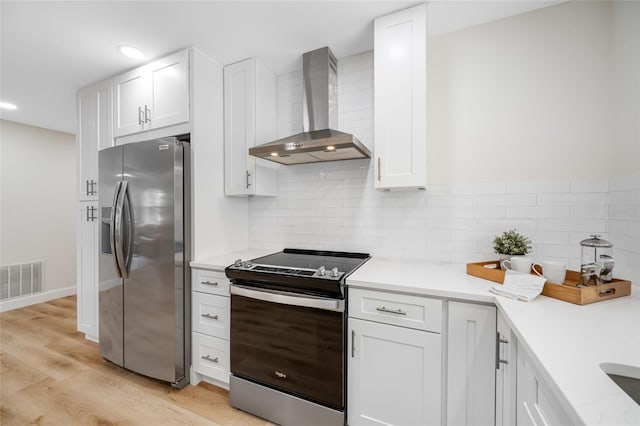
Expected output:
{"points": [[334, 274]]}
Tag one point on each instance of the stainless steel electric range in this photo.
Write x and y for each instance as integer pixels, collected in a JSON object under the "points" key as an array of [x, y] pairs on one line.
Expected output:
{"points": [[288, 335]]}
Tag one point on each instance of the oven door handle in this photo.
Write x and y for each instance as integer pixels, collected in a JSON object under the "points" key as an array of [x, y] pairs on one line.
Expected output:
{"points": [[286, 298]]}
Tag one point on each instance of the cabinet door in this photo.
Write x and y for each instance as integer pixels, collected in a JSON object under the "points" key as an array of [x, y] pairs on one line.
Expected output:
{"points": [[169, 86], [94, 133], [249, 120], [131, 95], [471, 364], [211, 356], [400, 98], [394, 375], [87, 269], [239, 127], [536, 405], [210, 314], [506, 345]]}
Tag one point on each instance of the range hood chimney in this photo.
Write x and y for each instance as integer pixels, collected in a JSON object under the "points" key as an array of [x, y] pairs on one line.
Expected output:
{"points": [[319, 141]]}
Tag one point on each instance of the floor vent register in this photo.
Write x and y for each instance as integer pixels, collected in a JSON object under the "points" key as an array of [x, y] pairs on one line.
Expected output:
{"points": [[21, 279]]}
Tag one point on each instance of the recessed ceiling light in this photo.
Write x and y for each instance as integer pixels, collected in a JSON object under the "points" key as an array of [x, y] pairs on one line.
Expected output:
{"points": [[130, 52], [7, 105]]}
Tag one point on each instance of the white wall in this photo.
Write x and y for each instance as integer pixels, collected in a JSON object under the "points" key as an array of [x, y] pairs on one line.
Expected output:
{"points": [[219, 222], [473, 194], [38, 205], [626, 72], [624, 186], [524, 98]]}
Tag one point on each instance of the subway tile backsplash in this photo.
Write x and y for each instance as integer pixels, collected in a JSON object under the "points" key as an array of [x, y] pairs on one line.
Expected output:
{"points": [[335, 206]]}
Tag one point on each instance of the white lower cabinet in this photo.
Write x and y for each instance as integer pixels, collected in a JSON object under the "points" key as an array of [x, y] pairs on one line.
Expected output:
{"points": [[210, 357], [87, 269], [471, 364], [536, 404], [210, 327], [506, 364], [395, 373]]}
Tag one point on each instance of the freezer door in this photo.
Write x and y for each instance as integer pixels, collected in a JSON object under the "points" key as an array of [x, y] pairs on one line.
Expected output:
{"points": [[154, 290], [110, 283]]}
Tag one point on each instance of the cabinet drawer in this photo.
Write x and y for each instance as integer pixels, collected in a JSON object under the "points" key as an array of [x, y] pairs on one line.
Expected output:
{"points": [[421, 313], [214, 282], [211, 356], [210, 314]]}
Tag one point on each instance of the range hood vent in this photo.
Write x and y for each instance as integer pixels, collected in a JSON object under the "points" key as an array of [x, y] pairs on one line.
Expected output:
{"points": [[319, 141]]}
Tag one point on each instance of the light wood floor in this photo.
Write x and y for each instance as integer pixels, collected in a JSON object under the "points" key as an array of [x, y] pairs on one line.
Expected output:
{"points": [[51, 375]]}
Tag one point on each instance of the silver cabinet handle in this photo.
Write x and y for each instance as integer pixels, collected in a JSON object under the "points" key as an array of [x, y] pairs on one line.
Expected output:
{"points": [[353, 343], [214, 284], [91, 214], [147, 114], [391, 311], [140, 116], [91, 190], [248, 176], [499, 361], [214, 317], [208, 358]]}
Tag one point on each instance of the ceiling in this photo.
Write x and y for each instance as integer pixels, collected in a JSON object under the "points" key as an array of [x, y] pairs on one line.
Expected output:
{"points": [[50, 49]]}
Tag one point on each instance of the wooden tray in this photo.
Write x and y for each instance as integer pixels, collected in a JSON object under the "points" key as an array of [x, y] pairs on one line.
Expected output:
{"points": [[568, 291]]}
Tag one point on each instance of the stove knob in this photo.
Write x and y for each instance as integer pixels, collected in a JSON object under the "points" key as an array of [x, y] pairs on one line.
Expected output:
{"points": [[322, 271], [334, 272], [237, 263], [248, 264]]}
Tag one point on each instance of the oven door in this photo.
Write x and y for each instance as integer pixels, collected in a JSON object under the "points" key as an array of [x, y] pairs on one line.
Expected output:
{"points": [[290, 342]]}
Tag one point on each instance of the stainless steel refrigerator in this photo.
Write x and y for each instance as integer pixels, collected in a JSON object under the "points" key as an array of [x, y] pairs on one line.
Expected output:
{"points": [[144, 279]]}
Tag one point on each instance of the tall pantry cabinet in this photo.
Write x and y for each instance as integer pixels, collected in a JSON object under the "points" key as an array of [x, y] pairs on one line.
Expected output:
{"points": [[95, 132]]}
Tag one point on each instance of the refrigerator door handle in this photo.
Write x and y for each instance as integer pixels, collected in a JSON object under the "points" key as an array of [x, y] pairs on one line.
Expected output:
{"points": [[129, 252], [112, 229], [118, 231]]}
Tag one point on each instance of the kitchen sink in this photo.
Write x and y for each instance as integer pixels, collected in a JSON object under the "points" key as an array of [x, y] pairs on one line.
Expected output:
{"points": [[627, 377]]}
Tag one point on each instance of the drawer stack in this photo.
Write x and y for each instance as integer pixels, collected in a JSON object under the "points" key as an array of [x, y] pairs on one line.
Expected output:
{"points": [[210, 325]]}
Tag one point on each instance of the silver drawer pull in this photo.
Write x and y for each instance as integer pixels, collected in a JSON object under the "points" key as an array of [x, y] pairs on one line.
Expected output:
{"points": [[208, 358], [215, 284], [392, 311], [214, 317]]}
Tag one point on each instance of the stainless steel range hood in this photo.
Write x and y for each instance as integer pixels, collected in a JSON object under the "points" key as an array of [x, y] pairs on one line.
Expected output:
{"points": [[319, 141]]}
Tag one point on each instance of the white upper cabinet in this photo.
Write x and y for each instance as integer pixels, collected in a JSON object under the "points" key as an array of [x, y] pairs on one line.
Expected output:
{"points": [[152, 96], [95, 132], [400, 81], [249, 120]]}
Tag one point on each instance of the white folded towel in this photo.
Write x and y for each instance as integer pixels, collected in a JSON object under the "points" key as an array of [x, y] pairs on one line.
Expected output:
{"points": [[519, 286]]}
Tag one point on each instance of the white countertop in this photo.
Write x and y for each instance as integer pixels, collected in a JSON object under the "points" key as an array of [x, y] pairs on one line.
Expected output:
{"points": [[567, 342], [219, 262]]}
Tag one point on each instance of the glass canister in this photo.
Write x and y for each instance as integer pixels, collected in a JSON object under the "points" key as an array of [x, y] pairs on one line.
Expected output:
{"points": [[597, 261]]}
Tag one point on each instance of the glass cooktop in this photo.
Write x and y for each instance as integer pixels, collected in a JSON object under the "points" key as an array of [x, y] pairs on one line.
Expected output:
{"points": [[293, 259]]}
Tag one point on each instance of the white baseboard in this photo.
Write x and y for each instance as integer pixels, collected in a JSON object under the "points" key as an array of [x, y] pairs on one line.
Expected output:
{"points": [[21, 302]]}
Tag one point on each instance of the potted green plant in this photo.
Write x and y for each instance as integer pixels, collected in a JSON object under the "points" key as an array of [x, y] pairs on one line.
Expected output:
{"points": [[511, 243]]}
